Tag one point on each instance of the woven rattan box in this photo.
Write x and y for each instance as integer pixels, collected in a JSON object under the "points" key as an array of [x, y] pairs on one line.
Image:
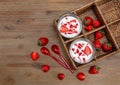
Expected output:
{"points": [[108, 12]]}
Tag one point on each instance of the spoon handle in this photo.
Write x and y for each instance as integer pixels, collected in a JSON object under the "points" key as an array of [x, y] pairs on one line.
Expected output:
{"points": [[64, 60], [58, 61]]}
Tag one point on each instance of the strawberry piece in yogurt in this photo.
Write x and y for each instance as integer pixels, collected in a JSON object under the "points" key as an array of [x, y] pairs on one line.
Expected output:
{"points": [[87, 50]]}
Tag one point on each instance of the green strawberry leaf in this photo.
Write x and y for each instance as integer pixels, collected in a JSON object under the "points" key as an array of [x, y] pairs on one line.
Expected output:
{"points": [[103, 32], [98, 68]]}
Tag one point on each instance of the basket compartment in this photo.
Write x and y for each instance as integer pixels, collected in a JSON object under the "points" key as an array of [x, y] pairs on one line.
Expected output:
{"points": [[91, 11], [110, 9], [105, 39], [115, 30]]}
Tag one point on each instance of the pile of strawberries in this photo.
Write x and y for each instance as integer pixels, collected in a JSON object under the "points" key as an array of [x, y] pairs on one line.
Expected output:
{"points": [[91, 24], [42, 41]]}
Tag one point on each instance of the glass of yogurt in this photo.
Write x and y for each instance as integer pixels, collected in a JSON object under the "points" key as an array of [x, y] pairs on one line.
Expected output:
{"points": [[82, 51], [69, 25]]}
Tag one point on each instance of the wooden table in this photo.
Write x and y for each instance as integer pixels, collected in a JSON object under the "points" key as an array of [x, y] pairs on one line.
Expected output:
{"points": [[22, 22]]}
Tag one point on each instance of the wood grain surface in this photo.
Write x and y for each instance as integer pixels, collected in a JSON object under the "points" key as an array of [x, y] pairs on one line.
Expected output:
{"points": [[22, 22]]}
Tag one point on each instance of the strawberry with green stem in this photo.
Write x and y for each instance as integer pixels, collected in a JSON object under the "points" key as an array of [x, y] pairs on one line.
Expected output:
{"points": [[107, 47], [42, 41], [94, 69], [99, 34], [88, 20]]}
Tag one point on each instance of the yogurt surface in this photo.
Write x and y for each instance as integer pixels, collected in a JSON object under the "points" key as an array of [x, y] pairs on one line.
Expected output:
{"points": [[69, 26], [81, 51]]}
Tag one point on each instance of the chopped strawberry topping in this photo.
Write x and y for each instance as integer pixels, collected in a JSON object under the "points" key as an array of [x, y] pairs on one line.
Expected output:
{"points": [[80, 53], [71, 26], [79, 45], [68, 22], [73, 49], [77, 51], [73, 20], [84, 59]]}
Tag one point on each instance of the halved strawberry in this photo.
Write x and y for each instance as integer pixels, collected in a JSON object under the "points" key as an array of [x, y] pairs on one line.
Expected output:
{"points": [[87, 50], [63, 29]]}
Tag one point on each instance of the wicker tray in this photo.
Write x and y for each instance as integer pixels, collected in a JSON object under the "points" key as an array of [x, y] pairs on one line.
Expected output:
{"points": [[108, 12]]}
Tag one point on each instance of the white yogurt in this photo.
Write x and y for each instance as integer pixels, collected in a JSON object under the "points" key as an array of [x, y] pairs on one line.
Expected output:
{"points": [[69, 25], [81, 51]]}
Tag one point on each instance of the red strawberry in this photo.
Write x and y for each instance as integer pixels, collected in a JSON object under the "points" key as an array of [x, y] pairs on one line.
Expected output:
{"points": [[87, 50], [106, 47], [43, 41], [63, 29], [99, 34], [80, 76], [94, 70], [96, 23], [45, 68], [89, 27], [97, 43], [61, 76], [88, 20], [34, 56]]}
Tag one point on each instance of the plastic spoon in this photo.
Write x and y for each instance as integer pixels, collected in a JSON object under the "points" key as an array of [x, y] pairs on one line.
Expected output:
{"points": [[45, 51], [56, 49]]}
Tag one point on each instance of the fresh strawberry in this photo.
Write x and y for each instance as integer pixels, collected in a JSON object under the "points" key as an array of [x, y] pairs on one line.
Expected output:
{"points": [[87, 50], [94, 69], [34, 56], [43, 41], [88, 27], [99, 34], [97, 43], [45, 68], [106, 47], [80, 76], [61, 76], [96, 23], [88, 20]]}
